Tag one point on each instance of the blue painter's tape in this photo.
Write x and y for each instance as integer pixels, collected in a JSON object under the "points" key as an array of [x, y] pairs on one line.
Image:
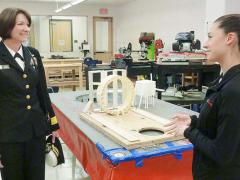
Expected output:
{"points": [[139, 162], [119, 155], [178, 155], [102, 150]]}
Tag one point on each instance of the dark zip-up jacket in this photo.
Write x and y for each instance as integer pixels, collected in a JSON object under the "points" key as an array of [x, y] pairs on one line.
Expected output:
{"points": [[215, 134]]}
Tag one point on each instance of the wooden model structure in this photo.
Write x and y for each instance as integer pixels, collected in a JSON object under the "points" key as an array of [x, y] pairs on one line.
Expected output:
{"points": [[103, 75], [119, 121]]}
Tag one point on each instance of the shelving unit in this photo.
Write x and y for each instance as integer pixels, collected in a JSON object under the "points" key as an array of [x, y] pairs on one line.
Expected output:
{"points": [[64, 72]]}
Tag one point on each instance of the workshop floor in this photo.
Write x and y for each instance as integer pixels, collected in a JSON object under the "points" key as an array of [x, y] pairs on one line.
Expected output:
{"points": [[64, 171]]}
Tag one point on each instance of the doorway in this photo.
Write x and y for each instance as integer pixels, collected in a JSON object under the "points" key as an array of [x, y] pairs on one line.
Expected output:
{"points": [[103, 39], [60, 35]]}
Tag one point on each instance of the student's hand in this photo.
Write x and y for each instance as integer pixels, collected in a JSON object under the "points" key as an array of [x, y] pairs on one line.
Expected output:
{"points": [[170, 127], [1, 165], [178, 124], [179, 131], [54, 135], [183, 118]]}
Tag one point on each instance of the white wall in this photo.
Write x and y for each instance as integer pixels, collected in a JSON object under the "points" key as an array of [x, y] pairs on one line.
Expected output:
{"points": [[45, 8], [217, 8], [163, 17], [232, 6], [214, 9], [42, 35]]}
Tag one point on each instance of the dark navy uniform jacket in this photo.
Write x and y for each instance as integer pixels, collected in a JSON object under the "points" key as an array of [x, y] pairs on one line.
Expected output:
{"points": [[25, 106], [216, 133]]}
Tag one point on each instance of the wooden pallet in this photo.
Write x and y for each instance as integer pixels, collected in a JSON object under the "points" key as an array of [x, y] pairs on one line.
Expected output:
{"points": [[125, 129]]}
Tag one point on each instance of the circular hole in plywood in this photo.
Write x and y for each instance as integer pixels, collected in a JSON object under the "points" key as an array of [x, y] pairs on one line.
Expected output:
{"points": [[151, 132]]}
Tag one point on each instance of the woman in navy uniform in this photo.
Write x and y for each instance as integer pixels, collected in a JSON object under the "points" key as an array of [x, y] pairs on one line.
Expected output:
{"points": [[25, 106], [215, 134]]}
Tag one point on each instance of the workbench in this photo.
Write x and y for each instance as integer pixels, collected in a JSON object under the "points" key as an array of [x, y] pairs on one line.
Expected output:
{"points": [[185, 100], [62, 61], [63, 72], [139, 68], [104, 159], [205, 72]]}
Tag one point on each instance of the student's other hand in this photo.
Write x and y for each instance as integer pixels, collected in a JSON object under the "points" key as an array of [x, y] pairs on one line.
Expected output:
{"points": [[1, 165], [179, 131], [178, 124], [54, 135], [182, 118], [170, 127]]}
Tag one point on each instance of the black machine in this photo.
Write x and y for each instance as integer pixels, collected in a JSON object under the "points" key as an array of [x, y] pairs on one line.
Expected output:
{"points": [[85, 48], [124, 58], [126, 51], [185, 42]]}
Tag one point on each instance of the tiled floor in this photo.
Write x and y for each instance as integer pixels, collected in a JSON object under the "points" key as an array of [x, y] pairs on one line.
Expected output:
{"points": [[64, 171]]}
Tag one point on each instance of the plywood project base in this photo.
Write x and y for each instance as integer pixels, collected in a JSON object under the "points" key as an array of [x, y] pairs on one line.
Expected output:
{"points": [[126, 129]]}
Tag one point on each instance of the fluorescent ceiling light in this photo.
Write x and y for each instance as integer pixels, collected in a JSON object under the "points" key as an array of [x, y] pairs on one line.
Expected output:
{"points": [[76, 2], [58, 10], [68, 5]]}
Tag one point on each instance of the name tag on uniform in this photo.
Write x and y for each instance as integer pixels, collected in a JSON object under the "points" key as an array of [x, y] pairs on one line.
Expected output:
{"points": [[4, 67]]}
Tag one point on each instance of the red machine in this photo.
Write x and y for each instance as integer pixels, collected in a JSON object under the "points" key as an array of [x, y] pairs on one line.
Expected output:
{"points": [[158, 47]]}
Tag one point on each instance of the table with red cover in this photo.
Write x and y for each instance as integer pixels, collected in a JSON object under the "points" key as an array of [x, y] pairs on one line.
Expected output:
{"points": [[104, 159]]}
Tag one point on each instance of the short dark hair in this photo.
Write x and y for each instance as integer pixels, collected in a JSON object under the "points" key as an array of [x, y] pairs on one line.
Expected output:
{"points": [[230, 23], [8, 20]]}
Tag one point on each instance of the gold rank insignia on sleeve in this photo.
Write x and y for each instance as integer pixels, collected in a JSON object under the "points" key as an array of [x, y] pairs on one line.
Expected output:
{"points": [[54, 120]]}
